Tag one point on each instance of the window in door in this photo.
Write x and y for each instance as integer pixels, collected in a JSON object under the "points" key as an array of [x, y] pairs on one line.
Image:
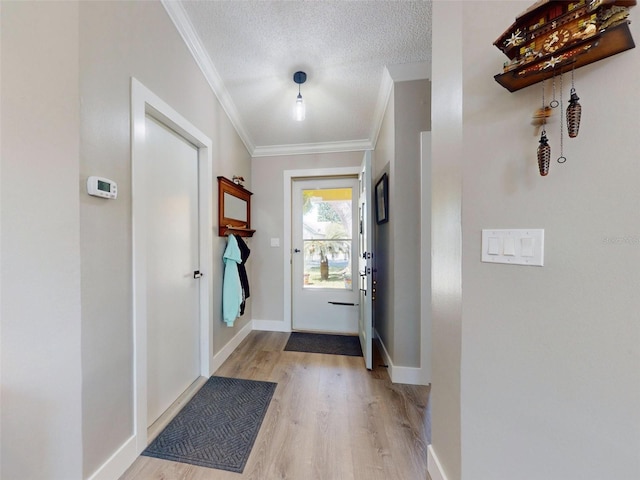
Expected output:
{"points": [[326, 235]]}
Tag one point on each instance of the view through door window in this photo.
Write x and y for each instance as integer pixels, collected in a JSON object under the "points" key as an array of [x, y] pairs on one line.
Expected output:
{"points": [[326, 234]]}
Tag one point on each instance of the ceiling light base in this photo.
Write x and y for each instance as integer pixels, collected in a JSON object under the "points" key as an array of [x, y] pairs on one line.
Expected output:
{"points": [[299, 77]]}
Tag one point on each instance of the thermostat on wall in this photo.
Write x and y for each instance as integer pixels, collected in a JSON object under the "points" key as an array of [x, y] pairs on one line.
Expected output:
{"points": [[102, 187]]}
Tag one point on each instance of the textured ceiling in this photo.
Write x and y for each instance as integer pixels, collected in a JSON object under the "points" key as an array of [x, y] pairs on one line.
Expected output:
{"points": [[252, 48]]}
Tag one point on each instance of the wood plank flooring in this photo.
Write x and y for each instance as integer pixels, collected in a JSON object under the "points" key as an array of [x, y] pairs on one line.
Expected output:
{"points": [[329, 419]]}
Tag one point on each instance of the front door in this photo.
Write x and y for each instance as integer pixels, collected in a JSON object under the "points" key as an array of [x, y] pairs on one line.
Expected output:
{"points": [[173, 341], [325, 283], [365, 262]]}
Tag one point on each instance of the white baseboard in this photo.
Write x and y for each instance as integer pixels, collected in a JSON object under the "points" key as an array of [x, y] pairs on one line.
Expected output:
{"points": [[227, 350], [271, 326], [118, 462], [433, 465], [407, 375], [122, 459], [400, 374]]}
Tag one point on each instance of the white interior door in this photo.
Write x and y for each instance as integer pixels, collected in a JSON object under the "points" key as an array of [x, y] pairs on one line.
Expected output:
{"points": [[365, 260], [324, 259], [172, 256]]}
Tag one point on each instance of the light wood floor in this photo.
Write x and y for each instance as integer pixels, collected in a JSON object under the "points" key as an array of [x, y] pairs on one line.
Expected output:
{"points": [[329, 419]]}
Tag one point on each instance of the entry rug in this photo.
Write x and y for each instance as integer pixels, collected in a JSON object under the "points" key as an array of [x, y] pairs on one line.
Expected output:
{"points": [[321, 343], [218, 427]]}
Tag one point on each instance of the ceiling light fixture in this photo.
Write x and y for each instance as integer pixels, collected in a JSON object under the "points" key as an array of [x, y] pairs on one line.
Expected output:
{"points": [[299, 112]]}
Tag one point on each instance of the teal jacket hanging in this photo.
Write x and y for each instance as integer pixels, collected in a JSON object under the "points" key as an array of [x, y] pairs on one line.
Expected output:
{"points": [[231, 286]]}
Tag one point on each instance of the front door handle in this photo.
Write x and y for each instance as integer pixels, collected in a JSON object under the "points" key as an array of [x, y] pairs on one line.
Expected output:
{"points": [[296, 250]]}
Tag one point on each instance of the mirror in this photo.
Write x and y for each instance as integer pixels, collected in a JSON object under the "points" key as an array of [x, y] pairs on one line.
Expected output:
{"points": [[234, 209]]}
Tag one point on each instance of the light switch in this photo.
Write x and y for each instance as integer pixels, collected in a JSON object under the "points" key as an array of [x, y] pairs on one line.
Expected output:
{"points": [[526, 246], [494, 246], [275, 242], [509, 246], [523, 246]]}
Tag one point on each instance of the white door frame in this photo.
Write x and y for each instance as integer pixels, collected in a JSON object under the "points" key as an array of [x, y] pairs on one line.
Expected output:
{"points": [[425, 258], [289, 177], [144, 102]]}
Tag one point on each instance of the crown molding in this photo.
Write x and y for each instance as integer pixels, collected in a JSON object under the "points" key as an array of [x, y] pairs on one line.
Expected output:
{"points": [[180, 19], [386, 87], [395, 73], [311, 148], [391, 75], [409, 71]]}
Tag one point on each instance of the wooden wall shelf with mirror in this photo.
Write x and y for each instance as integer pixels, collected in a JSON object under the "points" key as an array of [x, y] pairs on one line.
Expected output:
{"points": [[234, 209]]}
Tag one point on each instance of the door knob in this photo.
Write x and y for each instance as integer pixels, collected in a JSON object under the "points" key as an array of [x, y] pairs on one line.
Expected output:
{"points": [[296, 250], [197, 274]]}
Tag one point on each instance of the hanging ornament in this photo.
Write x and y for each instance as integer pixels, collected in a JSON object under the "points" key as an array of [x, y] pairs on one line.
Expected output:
{"points": [[544, 154], [544, 150], [574, 111]]}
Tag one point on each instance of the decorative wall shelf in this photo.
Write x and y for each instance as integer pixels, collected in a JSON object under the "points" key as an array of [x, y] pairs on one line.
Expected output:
{"points": [[554, 37], [234, 209]]}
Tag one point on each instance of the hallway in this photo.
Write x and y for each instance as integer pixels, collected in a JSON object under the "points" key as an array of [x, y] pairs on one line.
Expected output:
{"points": [[329, 419]]}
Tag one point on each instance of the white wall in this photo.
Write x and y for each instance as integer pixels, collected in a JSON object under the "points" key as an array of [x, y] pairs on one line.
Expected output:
{"points": [[412, 116], [119, 40], [548, 377], [67, 346], [267, 285], [40, 271], [397, 305], [383, 158], [446, 236], [550, 355]]}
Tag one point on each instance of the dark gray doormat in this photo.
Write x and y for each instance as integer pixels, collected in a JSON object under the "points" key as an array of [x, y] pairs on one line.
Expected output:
{"points": [[218, 427], [321, 343]]}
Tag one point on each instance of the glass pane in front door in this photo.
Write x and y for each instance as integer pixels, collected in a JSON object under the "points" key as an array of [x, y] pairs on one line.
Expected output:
{"points": [[326, 235]]}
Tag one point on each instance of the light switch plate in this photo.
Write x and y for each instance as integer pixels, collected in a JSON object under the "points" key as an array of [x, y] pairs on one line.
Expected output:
{"points": [[516, 246]]}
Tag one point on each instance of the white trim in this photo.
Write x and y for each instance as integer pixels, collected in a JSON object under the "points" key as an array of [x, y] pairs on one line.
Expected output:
{"points": [[289, 176], [271, 326], [185, 28], [407, 72], [434, 468], [397, 373], [390, 75], [226, 351], [406, 375], [124, 457], [180, 19], [425, 256], [144, 102], [386, 87], [310, 148], [118, 463]]}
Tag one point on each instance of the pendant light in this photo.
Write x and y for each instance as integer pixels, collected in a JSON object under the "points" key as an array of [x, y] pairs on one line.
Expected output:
{"points": [[299, 111]]}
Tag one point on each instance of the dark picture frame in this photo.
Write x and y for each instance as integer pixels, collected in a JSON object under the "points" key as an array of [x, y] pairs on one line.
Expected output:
{"points": [[382, 200]]}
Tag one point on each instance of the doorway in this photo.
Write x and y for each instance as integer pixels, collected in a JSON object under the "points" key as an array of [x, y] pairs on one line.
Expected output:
{"points": [[172, 237], [173, 334], [325, 297]]}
